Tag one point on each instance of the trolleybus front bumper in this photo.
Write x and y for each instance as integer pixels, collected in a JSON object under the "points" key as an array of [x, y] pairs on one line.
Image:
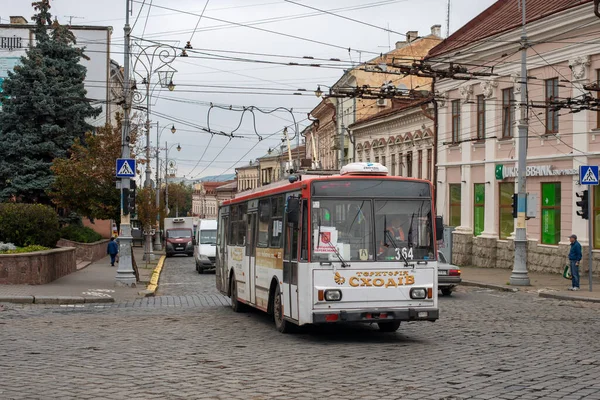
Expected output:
{"points": [[378, 315]]}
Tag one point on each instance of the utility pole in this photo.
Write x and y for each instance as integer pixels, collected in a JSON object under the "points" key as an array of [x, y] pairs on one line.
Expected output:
{"points": [[125, 274], [157, 241], [148, 253], [519, 275]]}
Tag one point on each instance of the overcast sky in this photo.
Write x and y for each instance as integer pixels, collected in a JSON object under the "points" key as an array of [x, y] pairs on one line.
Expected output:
{"points": [[174, 21]]}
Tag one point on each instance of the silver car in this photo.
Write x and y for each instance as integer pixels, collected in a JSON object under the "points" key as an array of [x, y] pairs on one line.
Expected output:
{"points": [[448, 275]]}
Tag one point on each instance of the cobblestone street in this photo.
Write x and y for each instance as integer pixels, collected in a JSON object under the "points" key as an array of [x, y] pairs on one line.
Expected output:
{"points": [[187, 343]]}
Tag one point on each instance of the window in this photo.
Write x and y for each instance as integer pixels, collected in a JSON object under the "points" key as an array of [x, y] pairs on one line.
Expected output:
{"points": [[508, 112], [480, 117], [276, 225], [550, 213], [455, 204], [264, 215], [507, 222], [376, 159], [237, 225], [409, 164], [420, 164], [429, 163], [346, 223], [551, 114], [479, 211], [455, 121], [400, 163], [393, 171], [383, 161]]}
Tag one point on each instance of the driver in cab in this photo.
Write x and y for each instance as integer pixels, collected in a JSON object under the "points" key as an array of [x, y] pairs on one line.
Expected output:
{"points": [[394, 231]]}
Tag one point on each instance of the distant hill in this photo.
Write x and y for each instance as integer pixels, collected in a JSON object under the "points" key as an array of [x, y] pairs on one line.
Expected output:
{"points": [[218, 178]]}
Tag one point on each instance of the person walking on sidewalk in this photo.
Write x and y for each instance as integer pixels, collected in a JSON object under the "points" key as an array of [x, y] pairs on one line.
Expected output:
{"points": [[574, 260], [112, 251]]}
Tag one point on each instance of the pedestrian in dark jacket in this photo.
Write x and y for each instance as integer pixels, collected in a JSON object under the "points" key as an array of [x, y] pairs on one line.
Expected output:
{"points": [[112, 251], [574, 260]]}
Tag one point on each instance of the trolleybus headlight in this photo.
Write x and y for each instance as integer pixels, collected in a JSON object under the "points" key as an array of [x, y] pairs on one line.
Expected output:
{"points": [[333, 295], [418, 293]]}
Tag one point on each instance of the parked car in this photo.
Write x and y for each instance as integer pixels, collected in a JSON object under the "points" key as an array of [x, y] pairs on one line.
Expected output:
{"points": [[448, 275]]}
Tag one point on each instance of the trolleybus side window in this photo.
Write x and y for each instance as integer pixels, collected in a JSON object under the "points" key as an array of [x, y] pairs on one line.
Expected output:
{"points": [[304, 243], [264, 215], [276, 223], [237, 225]]}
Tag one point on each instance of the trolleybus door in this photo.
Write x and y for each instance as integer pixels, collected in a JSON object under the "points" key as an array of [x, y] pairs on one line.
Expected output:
{"points": [[251, 253], [290, 259], [222, 268]]}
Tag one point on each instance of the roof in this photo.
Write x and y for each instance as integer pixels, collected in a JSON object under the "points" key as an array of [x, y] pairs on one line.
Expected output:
{"points": [[390, 111], [502, 16], [229, 186]]}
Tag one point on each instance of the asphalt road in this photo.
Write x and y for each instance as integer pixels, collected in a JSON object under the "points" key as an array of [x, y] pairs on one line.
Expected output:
{"points": [[186, 343]]}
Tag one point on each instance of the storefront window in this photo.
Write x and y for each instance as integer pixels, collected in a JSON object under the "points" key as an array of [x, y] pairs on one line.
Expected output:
{"points": [[455, 197], [550, 213], [507, 222], [479, 212]]}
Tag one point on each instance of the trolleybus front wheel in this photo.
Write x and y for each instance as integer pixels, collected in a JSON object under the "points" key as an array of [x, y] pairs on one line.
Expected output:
{"points": [[281, 324], [236, 306]]}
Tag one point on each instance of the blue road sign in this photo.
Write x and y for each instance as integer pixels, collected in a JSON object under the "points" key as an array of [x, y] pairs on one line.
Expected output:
{"points": [[588, 175], [125, 168]]}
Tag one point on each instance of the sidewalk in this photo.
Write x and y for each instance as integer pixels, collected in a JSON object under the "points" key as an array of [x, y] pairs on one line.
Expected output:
{"points": [[546, 285], [93, 283]]}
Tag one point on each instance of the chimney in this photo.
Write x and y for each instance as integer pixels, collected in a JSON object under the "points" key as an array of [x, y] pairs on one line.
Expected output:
{"points": [[411, 36], [436, 30], [17, 20], [400, 45]]}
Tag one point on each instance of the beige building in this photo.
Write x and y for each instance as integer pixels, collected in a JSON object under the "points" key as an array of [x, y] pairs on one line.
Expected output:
{"points": [[334, 114], [247, 176], [206, 197], [478, 133]]}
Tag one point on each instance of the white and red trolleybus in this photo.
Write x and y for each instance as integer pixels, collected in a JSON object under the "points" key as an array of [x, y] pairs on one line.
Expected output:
{"points": [[355, 247]]}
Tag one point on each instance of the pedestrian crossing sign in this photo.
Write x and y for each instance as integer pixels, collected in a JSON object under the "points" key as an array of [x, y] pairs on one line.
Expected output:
{"points": [[125, 168], [588, 175]]}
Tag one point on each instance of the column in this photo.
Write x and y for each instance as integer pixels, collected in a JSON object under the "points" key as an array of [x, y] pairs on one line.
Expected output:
{"points": [[491, 146], [466, 223]]}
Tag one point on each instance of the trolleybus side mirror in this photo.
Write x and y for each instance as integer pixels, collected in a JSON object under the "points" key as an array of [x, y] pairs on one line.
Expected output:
{"points": [[439, 228], [293, 210]]}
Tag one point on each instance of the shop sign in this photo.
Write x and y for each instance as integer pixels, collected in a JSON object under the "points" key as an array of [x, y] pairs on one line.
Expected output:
{"points": [[11, 43], [503, 171]]}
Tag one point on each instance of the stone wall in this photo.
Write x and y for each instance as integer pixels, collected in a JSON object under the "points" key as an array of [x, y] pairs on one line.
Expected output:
{"points": [[36, 268], [462, 248], [492, 253], [86, 251]]}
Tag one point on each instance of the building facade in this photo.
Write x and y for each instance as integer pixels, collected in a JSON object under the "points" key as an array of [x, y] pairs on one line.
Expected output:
{"points": [[17, 36], [205, 204], [248, 176], [478, 132], [333, 116]]}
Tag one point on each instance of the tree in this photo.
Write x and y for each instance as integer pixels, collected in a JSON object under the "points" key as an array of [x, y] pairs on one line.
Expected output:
{"points": [[44, 110], [145, 204], [85, 182], [180, 199]]}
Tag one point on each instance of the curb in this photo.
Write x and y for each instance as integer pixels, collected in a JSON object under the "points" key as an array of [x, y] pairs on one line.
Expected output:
{"points": [[566, 297], [55, 299], [153, 285], [490, 286]]}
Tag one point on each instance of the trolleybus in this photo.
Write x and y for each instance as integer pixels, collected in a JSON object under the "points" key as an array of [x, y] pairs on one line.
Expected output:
{"points": [[355, 247]]}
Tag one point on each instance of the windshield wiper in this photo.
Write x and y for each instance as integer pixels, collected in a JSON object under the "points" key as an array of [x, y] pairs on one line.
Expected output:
{"points": [[389, 236]]}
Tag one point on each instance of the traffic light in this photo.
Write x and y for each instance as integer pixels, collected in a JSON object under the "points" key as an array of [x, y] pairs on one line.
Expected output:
{"points": [[515, 203], [129, 199], [583, 204]]}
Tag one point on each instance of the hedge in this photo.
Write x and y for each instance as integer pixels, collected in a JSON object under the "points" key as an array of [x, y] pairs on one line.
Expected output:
{"points": [[80, 234], [28, 224]]}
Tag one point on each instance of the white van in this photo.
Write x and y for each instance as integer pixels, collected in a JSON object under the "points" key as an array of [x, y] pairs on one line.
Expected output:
{"points": [[206, 245]]}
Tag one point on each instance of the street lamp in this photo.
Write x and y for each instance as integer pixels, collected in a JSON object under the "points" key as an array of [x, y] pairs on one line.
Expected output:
{"points": [[173, 165], [152, 59], [318, 92], [157, 240]]}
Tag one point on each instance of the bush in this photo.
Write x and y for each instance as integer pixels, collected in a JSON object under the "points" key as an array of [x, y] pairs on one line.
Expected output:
{"points": [[28, 224], [28, 249], [80, 234]]}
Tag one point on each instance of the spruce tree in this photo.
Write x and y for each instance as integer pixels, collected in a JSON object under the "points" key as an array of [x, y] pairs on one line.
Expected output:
{"points": [[44, 111]]}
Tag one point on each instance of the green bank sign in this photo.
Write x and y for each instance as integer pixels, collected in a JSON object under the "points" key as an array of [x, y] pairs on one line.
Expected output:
{"points": [[503, 171]]}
